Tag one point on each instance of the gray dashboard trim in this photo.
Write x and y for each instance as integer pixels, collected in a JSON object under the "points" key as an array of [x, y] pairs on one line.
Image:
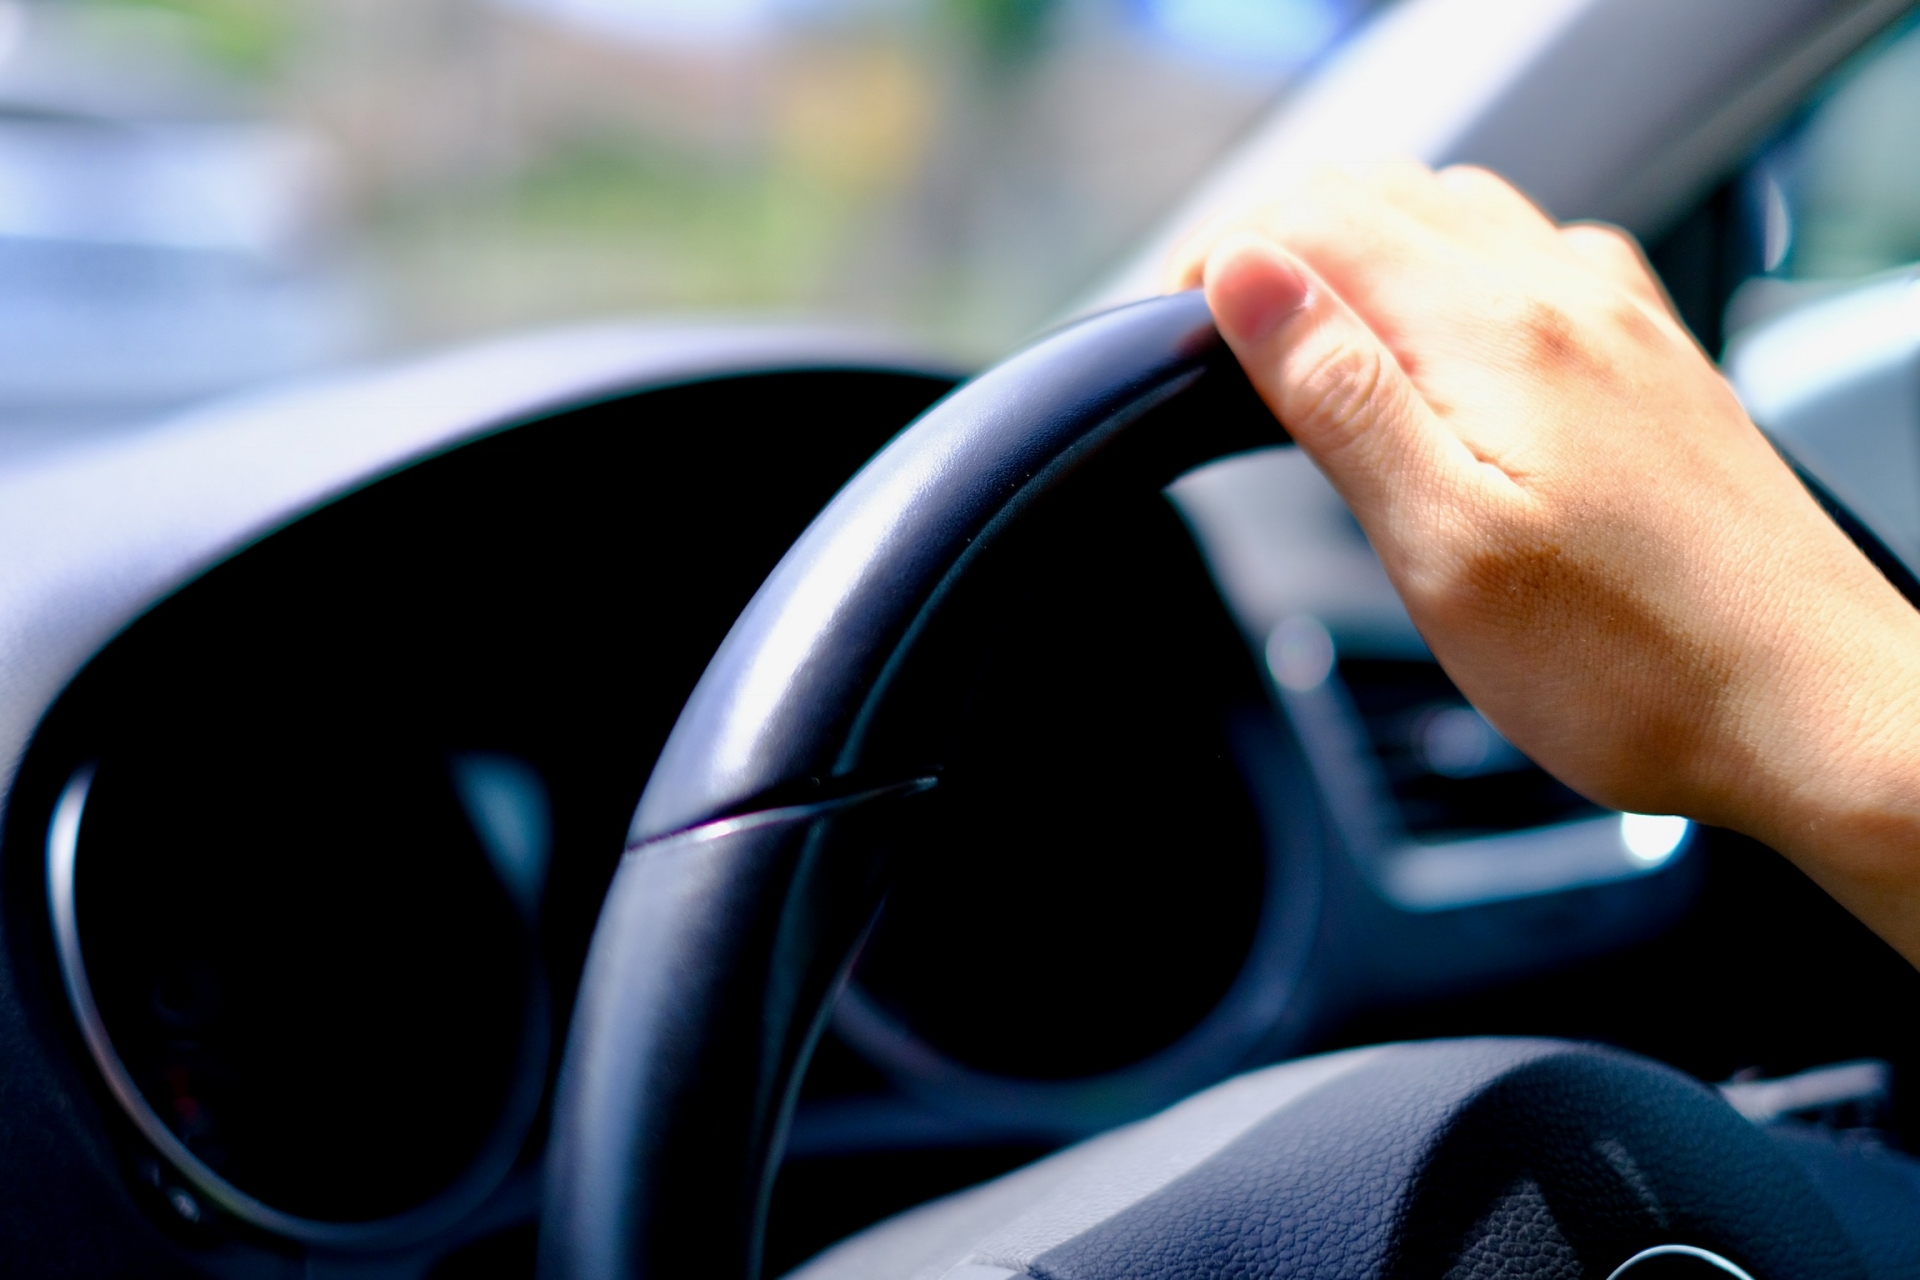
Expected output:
{"points": [[1009, 1222], [92, 538], [467, 1193], [1443, 875]]}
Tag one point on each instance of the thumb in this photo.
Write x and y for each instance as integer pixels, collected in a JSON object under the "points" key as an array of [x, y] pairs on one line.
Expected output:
{"points": [[1329, 379]]}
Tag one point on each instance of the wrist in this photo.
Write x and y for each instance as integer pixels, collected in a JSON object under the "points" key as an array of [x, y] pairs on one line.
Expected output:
{"points": [[1833, 777]]}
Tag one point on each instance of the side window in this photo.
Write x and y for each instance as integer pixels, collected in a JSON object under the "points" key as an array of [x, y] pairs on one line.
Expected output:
{"points": [[1835, 196], [1819, 243], [1839, 192], [1832, 197]]}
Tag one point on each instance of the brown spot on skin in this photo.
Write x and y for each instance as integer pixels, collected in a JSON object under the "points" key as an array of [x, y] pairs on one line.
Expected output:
{"points": [[1578, 625], [1552, 340], [1529, 583]]}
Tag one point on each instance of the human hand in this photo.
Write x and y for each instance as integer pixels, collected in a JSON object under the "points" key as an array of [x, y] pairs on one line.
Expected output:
{"points": [[1600, 548]]}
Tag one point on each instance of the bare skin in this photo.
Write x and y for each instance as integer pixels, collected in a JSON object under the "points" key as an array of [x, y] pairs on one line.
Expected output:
{"points": [[1599, 546]]}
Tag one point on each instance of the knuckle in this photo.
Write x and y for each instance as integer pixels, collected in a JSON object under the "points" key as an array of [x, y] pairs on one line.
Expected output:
{"points": [[1606, 233], [1475, 175], [1549, 337], [1590, 338], [1617, 250], [1630, 318], [1340, 390]]}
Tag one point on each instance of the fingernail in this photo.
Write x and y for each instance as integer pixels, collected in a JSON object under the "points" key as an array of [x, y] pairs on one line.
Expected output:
{"points": [[1253, 286]]}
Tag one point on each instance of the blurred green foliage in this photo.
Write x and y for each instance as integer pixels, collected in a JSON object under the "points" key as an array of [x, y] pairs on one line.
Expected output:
{"points": [[246, 38], [609, 223], [690, 207], [1007, 30], [950, 168]]}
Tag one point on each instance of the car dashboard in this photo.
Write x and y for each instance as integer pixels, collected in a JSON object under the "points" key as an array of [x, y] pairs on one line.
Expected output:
{"points": [[310, 827]]}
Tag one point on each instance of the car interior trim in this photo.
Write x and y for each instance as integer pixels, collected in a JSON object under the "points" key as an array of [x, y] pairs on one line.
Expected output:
{"points": [[98, 537], [1707, 1256], [1448, 875], [482, 1178], [1516, 864], [753, 818], [1266, 985], [1012, 1220], [1522, 87]]}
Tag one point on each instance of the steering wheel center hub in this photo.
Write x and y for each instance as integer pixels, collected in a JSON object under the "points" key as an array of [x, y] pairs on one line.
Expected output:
{"points": [[1677, 1262]]}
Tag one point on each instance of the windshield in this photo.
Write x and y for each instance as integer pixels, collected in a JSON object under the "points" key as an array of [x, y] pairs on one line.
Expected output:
{"points": [[199, 195]]}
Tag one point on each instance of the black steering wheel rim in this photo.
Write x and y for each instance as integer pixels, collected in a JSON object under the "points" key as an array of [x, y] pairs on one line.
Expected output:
{"points": [[758, 855], [786, 698]]}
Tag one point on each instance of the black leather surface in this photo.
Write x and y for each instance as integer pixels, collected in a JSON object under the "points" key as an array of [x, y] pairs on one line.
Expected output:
{"points": [[1518, 1239], [1482, 1159], [1874, 1189]]}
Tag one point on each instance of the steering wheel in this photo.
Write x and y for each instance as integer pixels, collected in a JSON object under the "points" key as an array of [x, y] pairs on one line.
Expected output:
{"points": [[797, 773]]}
